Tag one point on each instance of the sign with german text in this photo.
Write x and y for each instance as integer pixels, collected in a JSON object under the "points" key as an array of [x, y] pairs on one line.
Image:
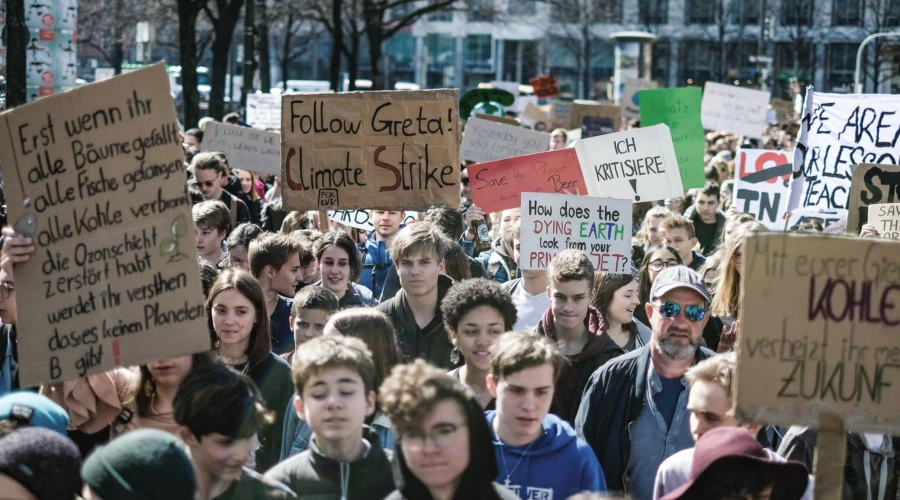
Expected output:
{"points": [[820, 316], [544, 86], [97, 176], [886, 219], [245, 148], [734, 109], [361, 150], [485, 140], [264, 110], [813, 219], [599, 227], [580, 109], [761, 180], [679, 108], [871, 184], [360, 219]]}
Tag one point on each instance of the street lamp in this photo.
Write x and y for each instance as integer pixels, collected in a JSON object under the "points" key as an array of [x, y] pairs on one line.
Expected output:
{"points": [[856, 75]]}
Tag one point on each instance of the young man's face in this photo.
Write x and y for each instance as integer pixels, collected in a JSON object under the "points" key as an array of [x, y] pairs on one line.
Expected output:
{"points": [[219, 456], [335, 405], [386, 222], [209, 241], [209, 182], [570, 301], [557, 142], [706, 207], [419, 273], [237, 258], [709, 405], [308, 324], [309, 273], [287, 277], [507, 219], [523, 400], [653, 232], [678, 239]]}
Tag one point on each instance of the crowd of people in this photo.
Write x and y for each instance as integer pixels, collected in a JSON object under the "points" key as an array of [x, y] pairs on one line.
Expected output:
{"points": [[403, 363]]}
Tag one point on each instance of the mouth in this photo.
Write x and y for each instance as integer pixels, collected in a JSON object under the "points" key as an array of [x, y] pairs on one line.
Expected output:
{"points": [[526, 420]]}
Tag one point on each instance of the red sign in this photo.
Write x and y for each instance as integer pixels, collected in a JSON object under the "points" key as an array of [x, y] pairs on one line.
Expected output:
{"points": [[544, 86]]}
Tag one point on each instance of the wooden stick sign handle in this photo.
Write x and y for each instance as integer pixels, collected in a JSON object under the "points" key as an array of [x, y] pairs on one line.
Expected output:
{"points": [[324, 225], [831, 452]]}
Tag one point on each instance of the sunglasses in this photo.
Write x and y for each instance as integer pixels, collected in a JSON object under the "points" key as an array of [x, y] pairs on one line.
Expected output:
{"points": [[670, 310]]}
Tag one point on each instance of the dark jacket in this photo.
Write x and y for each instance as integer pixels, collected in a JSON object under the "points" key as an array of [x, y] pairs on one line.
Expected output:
{"points": [[612, 401], [392, 282], [273, 377], [691, 213], [500, 266], [312, 475], [251, 485], [430, 343], [8, 345], [376, 262]]}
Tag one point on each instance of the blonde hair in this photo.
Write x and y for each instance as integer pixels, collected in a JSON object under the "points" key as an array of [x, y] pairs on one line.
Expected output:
{"points": [[715, 370], [726, 301]]}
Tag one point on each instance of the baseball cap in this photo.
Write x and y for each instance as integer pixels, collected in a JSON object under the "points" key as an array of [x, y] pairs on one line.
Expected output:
{"points": [[674, 277], [34, 409]]}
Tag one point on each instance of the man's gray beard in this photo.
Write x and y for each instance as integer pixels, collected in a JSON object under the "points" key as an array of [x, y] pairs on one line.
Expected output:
{"points": [[676, 352]]}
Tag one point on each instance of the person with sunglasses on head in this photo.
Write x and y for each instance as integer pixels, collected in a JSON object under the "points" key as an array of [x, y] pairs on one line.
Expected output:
{"points": [[634, 409]]}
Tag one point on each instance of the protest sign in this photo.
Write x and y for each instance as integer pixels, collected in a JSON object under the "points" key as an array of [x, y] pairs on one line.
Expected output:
{"points": [[600, 227], [359, 219], [497, 185], [264, 110], [734, 109], [761, 185], [630, 103], [837, 132], [532, 116], [838, 353], [871, 184], [580, 109], [484, 140], [498, 119], [886, 219], [511, 87], [637, 164], [97, 174], [245, 148], [544, 86], [393, 149], [592, 126], [807, 219], [679, 108], [561, 110]]}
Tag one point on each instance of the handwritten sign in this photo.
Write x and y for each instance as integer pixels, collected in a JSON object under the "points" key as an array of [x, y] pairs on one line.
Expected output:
{"points": [[600, 227], [484, 140], [580, 109], [631, 104], [114, 280], [361, 150], [359, 219], [871, 184], [837, 132], [561, 109], [820, 317], [264, 110], [245, 148], [734, 109], [679, 108], [532, 116], [498, 185], [636, 164], [544, 86], [886, 219], [804, 218], [592, 126], [761, 185]]}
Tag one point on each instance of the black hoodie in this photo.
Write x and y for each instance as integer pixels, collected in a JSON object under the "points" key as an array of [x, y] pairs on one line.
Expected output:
{"points": [[430, 343]]}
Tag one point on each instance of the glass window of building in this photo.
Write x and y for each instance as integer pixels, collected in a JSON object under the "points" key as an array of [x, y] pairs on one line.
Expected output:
{"points": [[846, 12]]}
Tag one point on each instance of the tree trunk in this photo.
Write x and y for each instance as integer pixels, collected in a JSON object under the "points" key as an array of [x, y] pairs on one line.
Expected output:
{"points": [[265, 73], [218, 72], [337, 41], [353, 61], [17, 38], [187, 49], [286, 50], [375, 54], [118, 55], [588, 59]]}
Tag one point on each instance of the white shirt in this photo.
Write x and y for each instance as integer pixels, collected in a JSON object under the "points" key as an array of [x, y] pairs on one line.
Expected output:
{"points": [[529, 308]]}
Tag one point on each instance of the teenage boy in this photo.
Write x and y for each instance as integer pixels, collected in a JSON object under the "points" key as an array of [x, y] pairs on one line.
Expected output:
{"points": [[576, 326], [334, 378], [678, 233], [376, 257], [212, 223], [275, 262], [708, 220], [529, 293], [220, 411], [415, 312], [310, 311], [210, 171], [539, 455]]}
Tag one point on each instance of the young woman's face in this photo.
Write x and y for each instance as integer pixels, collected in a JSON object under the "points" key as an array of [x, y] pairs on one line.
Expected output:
{"points": [[475, 334], [666, 257], [335, 268], [237, 258], [233, 317], [246, 181], [438, 452], [170, 372], [624, 300]]}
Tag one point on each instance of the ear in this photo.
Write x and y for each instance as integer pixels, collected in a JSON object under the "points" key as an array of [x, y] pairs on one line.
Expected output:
{"points": [[187, 436], [269, 272], [370, 402], [298, 407], [491, 385], [441, 267], [549, 293], [291, 323], [649, 310], [454, 339]]}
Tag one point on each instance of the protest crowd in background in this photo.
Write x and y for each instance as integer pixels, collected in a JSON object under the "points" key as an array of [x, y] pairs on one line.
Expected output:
{"points": [[430, 353]]}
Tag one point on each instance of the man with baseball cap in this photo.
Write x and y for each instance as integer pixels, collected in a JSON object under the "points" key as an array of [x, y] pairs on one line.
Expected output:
{"points": [[634, 409]]}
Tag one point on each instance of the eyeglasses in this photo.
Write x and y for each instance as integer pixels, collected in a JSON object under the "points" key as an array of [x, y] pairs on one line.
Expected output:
{"points": [[441, 436], [659, 264], [6, 289], [670, 310]]}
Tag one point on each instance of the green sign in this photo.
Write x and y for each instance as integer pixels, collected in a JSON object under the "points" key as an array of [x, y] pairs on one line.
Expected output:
{"points": [[679, 108]]}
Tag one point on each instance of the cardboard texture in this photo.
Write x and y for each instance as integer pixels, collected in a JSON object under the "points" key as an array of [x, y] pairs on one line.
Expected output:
{"points": [[498, 119], [837, 132], [600, 227], [820, 318], [761, 185], [245, 148], [359, 219], [561, 109], [498, 185], [637, 164], [484, 141], [114, 279], [580, 109], [871, 184], [631, 107], [544, 86], [679, 108], [592, 126], [886, 219], [264, 110], [361, 150], [734, 109], [532, 115]]}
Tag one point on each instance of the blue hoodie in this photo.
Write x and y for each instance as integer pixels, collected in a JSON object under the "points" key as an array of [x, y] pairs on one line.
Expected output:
{"points": [[557, 464]]}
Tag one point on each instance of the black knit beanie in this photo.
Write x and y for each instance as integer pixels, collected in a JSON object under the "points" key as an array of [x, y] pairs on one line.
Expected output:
{"points": [[45, 462]]}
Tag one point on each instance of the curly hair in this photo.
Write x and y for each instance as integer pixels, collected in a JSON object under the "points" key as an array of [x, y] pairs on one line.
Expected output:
{"points": [[412, 390], [466, 295]]}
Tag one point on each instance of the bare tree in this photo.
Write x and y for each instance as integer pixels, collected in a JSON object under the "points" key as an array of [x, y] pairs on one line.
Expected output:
{"points": [[299, 35], [109, 27], [224, 20], [884, 16], [188, 12]]}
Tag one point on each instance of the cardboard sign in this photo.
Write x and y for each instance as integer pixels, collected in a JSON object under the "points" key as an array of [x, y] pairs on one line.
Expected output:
{"points": [[733, 109], [114, 279], [797, 220], [679, 108], [484, 140], [820, 318], [264, 110], [544, 86], [561, 110], [498, 119], [600, 227], [361, 150], [532, 116], [886, 219], [869, 185], [580, 109], [637, 164], [497, 185], [592, 126], [761, 185], [246, 148], [630, 103], [359, 219], [837, 132]]}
